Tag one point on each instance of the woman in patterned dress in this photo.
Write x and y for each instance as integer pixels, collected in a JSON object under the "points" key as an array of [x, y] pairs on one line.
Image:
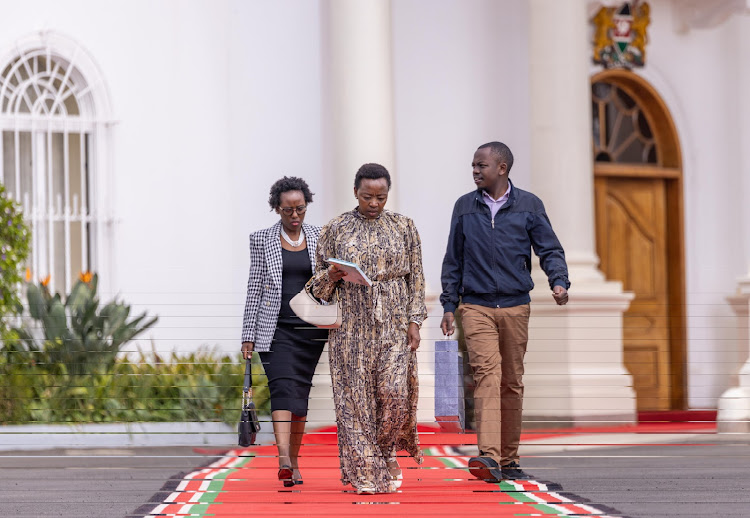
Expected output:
{"points": [[282, 259], [373, 354]]}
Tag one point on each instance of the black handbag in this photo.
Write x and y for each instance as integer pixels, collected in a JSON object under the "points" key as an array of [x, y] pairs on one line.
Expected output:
{"points": [[249, 425]]}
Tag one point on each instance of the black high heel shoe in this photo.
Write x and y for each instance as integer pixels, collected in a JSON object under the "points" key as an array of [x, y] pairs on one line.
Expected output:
{"points": [[285, 475]]}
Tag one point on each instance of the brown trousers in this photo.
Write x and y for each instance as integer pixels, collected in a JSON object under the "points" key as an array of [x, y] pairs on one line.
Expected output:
{"points": [[496, 340]]}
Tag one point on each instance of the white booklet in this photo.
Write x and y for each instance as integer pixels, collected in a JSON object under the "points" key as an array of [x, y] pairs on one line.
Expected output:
{"points": [[353, 272]]}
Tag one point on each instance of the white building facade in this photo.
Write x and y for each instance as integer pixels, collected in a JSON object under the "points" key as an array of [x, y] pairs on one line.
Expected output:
{"points": [[142, 138]]}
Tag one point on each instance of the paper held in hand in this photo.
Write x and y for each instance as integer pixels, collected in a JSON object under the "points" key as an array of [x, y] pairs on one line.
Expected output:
{"points": [[353, 273]]}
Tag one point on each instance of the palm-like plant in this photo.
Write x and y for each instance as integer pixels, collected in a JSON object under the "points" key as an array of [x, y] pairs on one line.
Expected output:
{"points": [[77, 332]]}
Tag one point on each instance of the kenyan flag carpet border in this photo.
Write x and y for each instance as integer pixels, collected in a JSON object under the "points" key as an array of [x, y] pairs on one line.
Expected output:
{"points": [[242, 482], [169, 487]]}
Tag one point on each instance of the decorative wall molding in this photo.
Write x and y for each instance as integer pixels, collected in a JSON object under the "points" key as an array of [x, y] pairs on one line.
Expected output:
{"points": [[706, 14]]}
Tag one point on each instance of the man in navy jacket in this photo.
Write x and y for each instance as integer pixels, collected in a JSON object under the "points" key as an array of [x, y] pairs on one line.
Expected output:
{"points": [[487, 279]]}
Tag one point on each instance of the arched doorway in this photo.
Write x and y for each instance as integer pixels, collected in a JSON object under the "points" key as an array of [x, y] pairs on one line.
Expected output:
{"points": [[639, 229]]}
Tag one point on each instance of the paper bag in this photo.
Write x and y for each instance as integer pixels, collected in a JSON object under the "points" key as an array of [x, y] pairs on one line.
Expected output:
{"points": [[449, 386]]}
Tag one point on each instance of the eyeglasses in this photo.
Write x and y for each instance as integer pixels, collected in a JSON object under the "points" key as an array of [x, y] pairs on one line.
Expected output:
{"points": [[289, 210]]}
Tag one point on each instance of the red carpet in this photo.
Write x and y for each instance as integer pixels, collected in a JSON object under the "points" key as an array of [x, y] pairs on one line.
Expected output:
{"points": [[243, 483], [677, 416]]}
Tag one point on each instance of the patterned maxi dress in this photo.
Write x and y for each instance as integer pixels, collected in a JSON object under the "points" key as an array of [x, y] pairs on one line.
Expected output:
{"points": [[373, 369]]}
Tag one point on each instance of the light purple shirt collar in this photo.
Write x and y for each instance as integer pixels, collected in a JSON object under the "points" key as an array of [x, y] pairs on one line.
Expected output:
{"points": [[493, 204]]}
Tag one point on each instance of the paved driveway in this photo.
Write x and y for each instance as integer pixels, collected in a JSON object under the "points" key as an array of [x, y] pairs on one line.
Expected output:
{"points": [[706, 478], [98, 483], [654, 481]]}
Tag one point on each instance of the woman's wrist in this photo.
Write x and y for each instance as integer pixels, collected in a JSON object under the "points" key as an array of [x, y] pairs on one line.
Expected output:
{"points": [[329, 280]]}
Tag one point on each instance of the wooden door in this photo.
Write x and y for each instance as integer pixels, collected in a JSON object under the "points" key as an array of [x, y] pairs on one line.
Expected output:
{"points": [[631, 229]]}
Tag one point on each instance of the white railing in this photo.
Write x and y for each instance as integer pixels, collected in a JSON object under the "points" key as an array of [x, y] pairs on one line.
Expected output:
{"points": [[42, 221]]}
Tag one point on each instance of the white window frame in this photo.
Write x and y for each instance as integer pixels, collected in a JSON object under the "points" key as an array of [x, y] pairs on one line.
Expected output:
{"points": [[74, 73]]}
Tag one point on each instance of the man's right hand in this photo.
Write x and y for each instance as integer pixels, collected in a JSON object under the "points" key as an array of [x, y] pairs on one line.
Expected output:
{"points": [[448, 324], [247, 349]]}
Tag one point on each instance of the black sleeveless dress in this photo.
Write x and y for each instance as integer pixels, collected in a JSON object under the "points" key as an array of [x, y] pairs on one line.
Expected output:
{"points": [[296, 346]]}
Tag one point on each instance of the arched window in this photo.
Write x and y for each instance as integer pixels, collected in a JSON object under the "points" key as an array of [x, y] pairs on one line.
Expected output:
{"points": [[50, 127], [622, 133]]}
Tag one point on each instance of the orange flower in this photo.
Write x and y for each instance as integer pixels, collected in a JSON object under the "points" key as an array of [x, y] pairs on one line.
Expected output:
{"points": [[45, 281], [28, 274], [86, 277]]}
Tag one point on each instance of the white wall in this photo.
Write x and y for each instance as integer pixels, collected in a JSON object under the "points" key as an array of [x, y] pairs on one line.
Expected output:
{"points": [[171, 156], [743, 113], [213, 101], [274, 122], [461, 76]]}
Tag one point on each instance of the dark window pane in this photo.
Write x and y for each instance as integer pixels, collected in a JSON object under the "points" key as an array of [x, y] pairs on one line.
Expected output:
{"points": [[633, 153], [596, 127], [643, 126], [626, 100], [601, 90]]}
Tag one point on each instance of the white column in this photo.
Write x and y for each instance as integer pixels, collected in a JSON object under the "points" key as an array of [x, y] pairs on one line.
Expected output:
{"points": [[359, 128], [575, 366], [734, 404], [561, 158], [358, 94]]}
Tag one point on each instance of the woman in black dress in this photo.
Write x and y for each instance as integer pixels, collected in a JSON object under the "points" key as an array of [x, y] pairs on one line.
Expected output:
{"points": [[282, 259]]}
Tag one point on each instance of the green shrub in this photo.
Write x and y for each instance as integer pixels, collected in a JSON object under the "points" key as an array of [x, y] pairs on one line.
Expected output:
{"points": [[63, 366], [14, 249], [202, 386]]}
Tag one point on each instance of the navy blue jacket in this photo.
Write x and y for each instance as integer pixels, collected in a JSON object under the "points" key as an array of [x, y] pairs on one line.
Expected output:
{"points": [[488, 262]]}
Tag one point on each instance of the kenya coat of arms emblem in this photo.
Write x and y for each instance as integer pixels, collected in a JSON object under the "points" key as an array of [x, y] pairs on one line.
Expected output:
{"points": [[620, 35]]}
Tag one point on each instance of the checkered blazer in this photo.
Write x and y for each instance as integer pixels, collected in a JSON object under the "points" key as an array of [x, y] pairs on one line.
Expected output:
{"points": [[264, 285]]}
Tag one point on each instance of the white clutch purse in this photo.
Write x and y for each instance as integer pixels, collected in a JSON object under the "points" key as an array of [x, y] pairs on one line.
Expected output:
{"points": [[312, 311]]}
